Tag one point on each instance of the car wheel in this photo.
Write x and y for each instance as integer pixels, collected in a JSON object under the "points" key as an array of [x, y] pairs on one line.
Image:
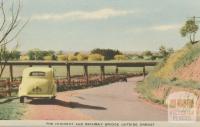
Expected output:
{"points": [[21, 99], [53, 98]]}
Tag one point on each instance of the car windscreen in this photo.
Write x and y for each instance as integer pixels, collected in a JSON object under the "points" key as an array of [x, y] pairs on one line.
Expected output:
{"points": [[37, 73]]}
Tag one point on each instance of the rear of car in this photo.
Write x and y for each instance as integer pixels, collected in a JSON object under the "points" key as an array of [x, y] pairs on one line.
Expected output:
{"points": [[37, 82]]}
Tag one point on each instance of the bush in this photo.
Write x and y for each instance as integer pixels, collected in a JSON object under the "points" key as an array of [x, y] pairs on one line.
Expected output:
{"points": [[137, 57], [95, 57], [120, 57], [61, 57], [147, 53], [107, 53], [81, 57], [48, 58], [24, 57], [72, 58]]}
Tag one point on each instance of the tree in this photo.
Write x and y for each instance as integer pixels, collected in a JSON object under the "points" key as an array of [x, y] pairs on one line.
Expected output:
{"points": [[61, 57], [189, 30], [72, 57], [43, 55], [170, 50], [107, 53], [147, 53], [10, 27], [164, 52], [120, 57], [76, 53], [24, 57], [35, 54], [15, 55], [95, 57], [82, 57], [48, 58], [60, 52]]}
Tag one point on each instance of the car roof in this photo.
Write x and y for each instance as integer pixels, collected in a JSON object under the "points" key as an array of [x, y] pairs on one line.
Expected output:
{"points": [[44, 69], [32, 69]]}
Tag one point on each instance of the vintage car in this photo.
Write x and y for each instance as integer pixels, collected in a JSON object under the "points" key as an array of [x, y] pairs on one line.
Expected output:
{"points": [[37, 82]]}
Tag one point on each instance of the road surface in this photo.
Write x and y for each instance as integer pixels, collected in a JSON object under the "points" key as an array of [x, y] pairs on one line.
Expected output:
{"points": [[117, 101]]}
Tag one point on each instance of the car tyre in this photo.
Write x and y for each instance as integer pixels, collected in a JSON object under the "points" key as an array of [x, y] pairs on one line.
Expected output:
{"points": [[21, 99], [53, 98]]}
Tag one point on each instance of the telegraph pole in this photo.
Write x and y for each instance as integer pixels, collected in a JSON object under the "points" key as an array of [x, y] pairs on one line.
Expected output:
{"points": [[194, 18]]}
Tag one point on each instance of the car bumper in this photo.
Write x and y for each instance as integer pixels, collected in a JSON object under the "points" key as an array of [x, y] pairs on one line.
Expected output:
{"points": [[37, 96]]}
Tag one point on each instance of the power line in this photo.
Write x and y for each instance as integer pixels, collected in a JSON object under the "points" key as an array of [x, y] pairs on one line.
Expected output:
{"points": [[194, 18]]}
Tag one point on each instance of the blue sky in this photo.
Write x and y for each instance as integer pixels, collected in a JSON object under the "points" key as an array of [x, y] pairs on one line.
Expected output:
{"points": [[127, 25]]}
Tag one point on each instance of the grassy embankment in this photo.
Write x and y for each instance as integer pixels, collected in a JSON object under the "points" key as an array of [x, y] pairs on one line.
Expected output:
{"points": [[162, 78]]}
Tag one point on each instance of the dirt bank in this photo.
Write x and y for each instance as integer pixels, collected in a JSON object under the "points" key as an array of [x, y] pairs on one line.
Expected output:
{"points": [[189, 72]]}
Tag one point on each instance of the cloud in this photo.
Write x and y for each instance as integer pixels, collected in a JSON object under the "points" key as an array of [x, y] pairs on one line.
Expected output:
{"points": [[166, 27], [82, 15], [154, 28]]}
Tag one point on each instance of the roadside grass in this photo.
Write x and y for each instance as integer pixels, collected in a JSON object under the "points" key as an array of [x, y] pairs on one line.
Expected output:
{"points": [[152, 83], [11, 109]]}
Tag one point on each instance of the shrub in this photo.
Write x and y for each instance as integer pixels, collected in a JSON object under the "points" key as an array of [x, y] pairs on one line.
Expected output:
{"points": [[107, 53], [48, 58], [95, 57], [24, 57], [147, 57], [120, 57], [147, 53], [72, 58], [137, 56], [81, 57], [61, 57], [76, 53]]}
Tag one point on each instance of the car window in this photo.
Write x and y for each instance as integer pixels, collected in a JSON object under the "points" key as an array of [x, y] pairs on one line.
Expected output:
{"points": [[37, 73]]}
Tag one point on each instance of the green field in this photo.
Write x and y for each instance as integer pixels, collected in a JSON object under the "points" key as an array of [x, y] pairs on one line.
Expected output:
{"points": [[78, 70]]}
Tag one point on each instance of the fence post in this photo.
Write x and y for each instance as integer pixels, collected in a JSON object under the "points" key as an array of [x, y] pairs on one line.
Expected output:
{"points": [[50, 66], [116, 70], [8, 87], [11, 73], [144, 71], [102, 73], [68, 74], [86, 73]]}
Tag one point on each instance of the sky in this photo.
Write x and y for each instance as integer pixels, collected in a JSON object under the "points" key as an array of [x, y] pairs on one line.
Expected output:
{"points": [[82, 25]]}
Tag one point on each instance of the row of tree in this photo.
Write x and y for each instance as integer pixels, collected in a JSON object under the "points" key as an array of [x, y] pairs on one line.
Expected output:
{"points": [[149, 55], [95, 54]]}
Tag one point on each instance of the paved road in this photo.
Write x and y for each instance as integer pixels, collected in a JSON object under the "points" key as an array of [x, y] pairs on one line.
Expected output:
{"points": [[117, 101]]}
